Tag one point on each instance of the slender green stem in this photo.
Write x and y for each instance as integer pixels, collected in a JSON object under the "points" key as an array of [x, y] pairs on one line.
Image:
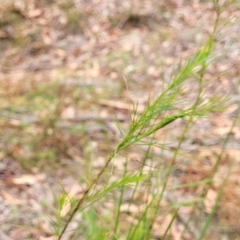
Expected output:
{"points": [[119, 204], [81, 200]]}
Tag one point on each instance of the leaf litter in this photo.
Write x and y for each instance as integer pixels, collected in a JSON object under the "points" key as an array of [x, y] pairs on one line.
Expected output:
{"points": [[61, 62]]}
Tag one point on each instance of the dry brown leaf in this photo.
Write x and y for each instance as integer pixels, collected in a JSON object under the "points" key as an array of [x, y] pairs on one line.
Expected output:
{"points": [[236, 132], [221, 121], [34, 13], [46, 37], [48, 238], [210, 200], [176, 231], [121, 105], [132, 208], [28, 179], [10, 199], [68, 113], [222, 131]]}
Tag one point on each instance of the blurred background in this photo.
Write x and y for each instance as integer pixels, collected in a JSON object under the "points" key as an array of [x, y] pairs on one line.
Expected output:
{"points": [[69, 72]]}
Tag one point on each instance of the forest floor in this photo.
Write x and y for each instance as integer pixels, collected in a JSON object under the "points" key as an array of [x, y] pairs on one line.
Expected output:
{"points": [[70, 69]]}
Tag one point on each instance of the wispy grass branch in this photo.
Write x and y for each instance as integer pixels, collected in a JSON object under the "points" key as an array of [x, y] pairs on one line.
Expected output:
{"points": [[158, 114]]}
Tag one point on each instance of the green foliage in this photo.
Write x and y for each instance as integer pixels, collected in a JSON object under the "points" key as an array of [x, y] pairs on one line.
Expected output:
{"points": [[158, 114]]}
